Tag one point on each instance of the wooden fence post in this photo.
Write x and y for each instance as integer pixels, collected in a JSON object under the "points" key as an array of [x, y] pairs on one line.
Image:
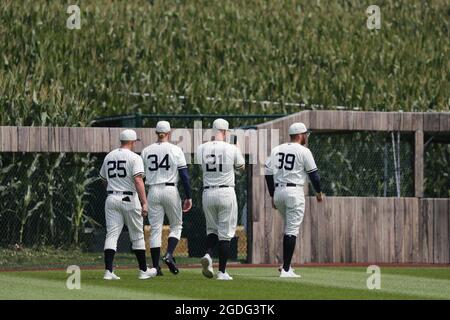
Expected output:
{"points": [[418, 164]]}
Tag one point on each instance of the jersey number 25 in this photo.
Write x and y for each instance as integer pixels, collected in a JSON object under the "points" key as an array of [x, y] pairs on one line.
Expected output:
{"points": [[117, 169]]}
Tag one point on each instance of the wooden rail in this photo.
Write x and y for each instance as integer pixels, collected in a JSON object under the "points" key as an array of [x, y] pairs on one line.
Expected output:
{"points": [[366, 121], [75, 139], [64, 139]]}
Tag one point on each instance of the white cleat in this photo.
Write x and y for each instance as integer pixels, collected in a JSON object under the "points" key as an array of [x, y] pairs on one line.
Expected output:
{"points": [[223, 276], [110, 276], [294, 275], [207, 270], [149, 273], [281, 268], [289, 274]]}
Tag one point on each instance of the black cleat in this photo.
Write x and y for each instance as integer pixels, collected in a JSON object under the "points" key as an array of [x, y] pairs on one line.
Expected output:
{"points": [[159, 272], [170, 262]]}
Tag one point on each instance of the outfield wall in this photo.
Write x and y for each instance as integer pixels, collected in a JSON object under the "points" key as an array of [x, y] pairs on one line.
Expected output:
{"points": [[363, 229]]}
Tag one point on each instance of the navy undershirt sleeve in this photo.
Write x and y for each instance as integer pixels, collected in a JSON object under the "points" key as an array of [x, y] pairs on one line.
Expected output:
{"points": [[270, 184], [315, 180], [184, 176]]}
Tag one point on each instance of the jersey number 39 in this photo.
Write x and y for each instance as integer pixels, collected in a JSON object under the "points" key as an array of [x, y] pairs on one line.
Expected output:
{"points": [[286, 161]]}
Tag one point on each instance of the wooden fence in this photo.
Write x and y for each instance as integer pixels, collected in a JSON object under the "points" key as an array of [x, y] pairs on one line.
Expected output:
{"points": [[65, 139], [359, 229], [337, 230]]}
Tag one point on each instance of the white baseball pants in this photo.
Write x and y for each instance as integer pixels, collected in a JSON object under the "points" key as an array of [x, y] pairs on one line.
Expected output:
{"points": [[221, 212], [290, 202], [162, 200], [118, 213]]}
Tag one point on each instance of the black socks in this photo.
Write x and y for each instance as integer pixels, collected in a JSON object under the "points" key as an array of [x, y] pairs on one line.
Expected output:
{"points": [[109, 258], [288, 250], [171, 245], [211, 241], [155, 252], [224, 251], [140, 256]]}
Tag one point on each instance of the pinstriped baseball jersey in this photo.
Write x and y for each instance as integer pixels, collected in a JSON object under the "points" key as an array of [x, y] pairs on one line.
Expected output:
{"points": [[218, 160], [119, 169], [290, 163], [162, 161]]}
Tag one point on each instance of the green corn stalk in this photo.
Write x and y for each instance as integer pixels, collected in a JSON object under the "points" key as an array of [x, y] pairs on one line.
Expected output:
{"points": [[7, 215], [80, 182], [52, 184], [30, 204]]}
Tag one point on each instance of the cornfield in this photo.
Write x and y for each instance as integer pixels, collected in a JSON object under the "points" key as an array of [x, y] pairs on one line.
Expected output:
{"points": [[316, 53], [311, 52]]}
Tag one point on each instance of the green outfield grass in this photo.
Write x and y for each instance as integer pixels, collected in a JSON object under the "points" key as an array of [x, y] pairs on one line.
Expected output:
{"points": [[51, 258], [249, 283]]}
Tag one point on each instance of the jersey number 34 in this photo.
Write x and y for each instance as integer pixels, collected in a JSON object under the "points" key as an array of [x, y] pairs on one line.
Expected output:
{"points": [[155, 164]]}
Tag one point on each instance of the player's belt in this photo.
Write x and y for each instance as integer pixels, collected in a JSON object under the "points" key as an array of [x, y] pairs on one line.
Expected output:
{"points": [[208, 187], [171, 184], [287, 185], [125, 193]]}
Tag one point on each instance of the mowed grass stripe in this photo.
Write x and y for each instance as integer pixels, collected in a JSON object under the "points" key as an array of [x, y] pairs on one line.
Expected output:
{"points": [[24, 287], [419, 271], [432, 273], [414, 286], [189, 284]]}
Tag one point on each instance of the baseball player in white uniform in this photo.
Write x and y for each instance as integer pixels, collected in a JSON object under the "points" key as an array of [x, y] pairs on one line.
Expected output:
{"points": [[165, 164], [219, 159], [286, 173], [123, 172]]}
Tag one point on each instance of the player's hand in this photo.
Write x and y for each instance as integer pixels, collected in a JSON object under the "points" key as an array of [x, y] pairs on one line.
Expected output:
{"points": [[319, 196], [144, 211], [273, 204], [187, 205]]}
